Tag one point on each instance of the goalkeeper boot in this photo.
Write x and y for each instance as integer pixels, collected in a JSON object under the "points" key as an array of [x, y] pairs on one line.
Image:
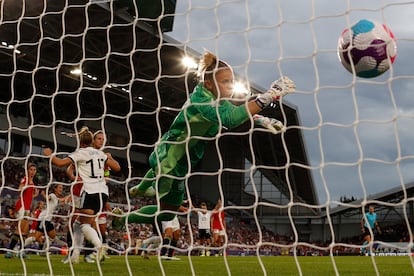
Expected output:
{"points": [[8, 255]]}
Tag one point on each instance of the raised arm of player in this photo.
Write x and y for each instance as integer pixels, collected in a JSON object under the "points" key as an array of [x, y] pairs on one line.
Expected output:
{"points": [[112, 163], [56, 160]]}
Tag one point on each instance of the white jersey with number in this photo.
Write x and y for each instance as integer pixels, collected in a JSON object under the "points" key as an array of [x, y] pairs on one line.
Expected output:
{"points": [[90, 165], [204, 219], [51, 206]]}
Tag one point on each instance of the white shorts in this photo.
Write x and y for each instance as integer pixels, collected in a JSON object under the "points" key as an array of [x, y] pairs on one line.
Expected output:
{"points": [[219, 232], [22, 213], [102, 219], [174, 224], [76, 201]]}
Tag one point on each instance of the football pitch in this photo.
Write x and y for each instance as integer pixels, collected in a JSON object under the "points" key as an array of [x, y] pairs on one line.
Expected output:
{"points": [[135, 265]]}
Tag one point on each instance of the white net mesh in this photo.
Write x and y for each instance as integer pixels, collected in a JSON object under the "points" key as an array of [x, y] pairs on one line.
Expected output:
{"points": [[116, 66]]}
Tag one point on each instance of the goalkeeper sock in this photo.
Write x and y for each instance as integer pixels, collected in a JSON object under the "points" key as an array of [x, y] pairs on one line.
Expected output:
{"points": [[171, 249], [166, 241], [137, 217]]}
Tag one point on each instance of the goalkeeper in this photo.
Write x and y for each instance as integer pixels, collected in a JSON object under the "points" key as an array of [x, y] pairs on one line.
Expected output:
{"points": [[201, 118]]}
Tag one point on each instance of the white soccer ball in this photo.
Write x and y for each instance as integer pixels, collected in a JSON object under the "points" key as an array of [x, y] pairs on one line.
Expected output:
{"points": [[367, 48]]}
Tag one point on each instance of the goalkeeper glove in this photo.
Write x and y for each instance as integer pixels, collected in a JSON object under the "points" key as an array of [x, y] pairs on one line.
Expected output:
{"points": [[275, 126], [278, 89]]}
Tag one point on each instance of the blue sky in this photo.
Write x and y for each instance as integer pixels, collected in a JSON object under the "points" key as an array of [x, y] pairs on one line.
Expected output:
{"points": [[358, 132]]}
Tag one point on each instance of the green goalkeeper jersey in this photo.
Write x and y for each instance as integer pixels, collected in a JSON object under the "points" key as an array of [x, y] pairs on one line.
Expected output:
{"points": [[182, 147], [202, 116]]}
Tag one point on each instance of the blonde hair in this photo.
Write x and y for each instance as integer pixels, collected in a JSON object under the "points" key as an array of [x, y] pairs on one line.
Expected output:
{"points": [[85, 136], [208, 66]]}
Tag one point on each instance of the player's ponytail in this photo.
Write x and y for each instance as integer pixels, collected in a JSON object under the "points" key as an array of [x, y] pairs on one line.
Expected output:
{"points": [[209, 64], [85, 136]]}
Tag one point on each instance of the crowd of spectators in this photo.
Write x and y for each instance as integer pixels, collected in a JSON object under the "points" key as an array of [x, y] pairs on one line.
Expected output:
{"points": [[242, 238]]}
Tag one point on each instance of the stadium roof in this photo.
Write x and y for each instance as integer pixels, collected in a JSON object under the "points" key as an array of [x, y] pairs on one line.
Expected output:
{"points": [[130, 76], [381, 200]]}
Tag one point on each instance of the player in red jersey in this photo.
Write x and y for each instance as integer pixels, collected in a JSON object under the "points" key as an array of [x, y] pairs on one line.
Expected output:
{"points": [[27, 191], [218, 225], [35, 215]]}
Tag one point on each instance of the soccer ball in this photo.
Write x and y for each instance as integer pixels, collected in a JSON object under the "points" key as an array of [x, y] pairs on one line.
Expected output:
{"points": [[367, 46]]}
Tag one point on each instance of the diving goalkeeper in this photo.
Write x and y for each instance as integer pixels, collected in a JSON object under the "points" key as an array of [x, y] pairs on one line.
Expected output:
{"points": [[202, 117]]}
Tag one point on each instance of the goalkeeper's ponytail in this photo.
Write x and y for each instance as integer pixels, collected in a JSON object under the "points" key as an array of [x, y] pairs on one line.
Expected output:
{"points": [[209, 65]]}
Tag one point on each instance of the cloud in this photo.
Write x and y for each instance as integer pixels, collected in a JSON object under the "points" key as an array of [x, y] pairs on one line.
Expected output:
{"points": [[363, 125]]}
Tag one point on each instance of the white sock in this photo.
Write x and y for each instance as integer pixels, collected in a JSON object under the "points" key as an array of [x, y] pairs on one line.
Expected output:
{"points": [[155, 240], [29, 241], [77, 239], [91, 235]]}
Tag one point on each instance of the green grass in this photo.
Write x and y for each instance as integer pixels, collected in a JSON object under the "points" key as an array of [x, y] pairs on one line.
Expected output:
{"points": [[117, 265]]}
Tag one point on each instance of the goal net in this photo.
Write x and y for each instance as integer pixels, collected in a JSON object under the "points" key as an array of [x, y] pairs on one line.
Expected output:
{"points": [[129, 67]]}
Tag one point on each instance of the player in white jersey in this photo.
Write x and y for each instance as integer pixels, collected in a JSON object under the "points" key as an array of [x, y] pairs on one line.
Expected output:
{"points": [[204, 231], [45, 227], [89, 163], [89, 254]]}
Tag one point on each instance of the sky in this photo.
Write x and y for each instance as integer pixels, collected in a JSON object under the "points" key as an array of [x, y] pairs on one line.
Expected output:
{"points": [[357, 132]]}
